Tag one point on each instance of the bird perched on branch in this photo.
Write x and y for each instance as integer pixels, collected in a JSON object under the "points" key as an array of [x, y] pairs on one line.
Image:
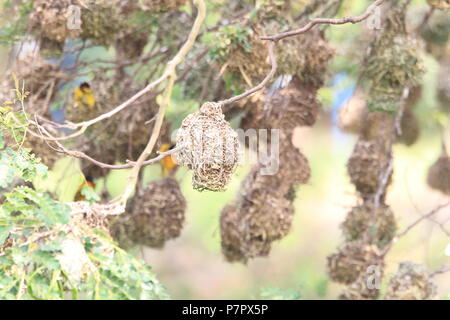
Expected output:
{"points": [[168, 165], [84, 97], [89, 183]]}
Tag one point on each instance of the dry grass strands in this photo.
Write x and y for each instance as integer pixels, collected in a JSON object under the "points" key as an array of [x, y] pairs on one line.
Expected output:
{"points": [[102, 20], [363, 221], [352, 260], [411, 282], [209, 147], [156, 215], [292, 106], [263, 210], [439, 173]]}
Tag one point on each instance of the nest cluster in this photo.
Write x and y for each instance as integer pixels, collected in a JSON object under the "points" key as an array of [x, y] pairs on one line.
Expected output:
{"points": [[244, 55], [156, 214], [439, 173], [209, 147], [392, 63], [411, 282], [263, 210]]}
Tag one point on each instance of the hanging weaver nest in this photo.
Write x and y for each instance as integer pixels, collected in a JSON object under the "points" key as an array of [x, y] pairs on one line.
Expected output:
{"points": [[102, 20], [439, 173], [363, 221], [306, 57], [157, 215], [121, 137], [158, 6], [209, 147], [259, 217], [392, 63], [353, 260], [364, 288], [436, 34], [292, 106], [242, 56], [367, 165], [49, 20], [262, 212], [390, 70], [411, 282], [439, 4]]}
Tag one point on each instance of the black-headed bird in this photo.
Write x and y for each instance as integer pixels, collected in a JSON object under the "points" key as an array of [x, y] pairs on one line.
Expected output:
{"points": [[84, 97]]}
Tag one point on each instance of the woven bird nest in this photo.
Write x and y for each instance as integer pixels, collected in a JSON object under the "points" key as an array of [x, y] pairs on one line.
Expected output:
{"points": [[443, 85], [367, 165], [263, 210], [49, 19], [102, 21], [410, 128], [209, 147], [352, 115], [353, 260], [411, 282], [377, 226], [439, 173], [292, 106], [156, 215]]}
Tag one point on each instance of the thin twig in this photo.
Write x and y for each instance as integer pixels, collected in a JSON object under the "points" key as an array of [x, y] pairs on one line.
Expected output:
{"points": [[369, 11]]}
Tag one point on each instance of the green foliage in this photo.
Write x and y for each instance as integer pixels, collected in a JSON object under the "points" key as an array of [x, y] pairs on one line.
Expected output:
{"points": [[47, 252], [229, 38]]}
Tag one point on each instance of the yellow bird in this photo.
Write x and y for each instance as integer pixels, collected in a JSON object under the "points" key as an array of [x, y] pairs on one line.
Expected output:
{"points": [[83, 96], [168, 166]]}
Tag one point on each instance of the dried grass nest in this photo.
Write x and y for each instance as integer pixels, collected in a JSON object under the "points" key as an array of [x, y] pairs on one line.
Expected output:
{"points": [[411, 282], [378, 226], [209, 147], [353, 260], [263, 209], [367, 165], [248, 63], [156, 215]]}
